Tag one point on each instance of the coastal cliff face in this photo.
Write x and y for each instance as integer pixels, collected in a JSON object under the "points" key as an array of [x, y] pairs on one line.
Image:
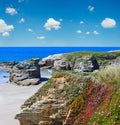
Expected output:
{"points": [[26, 73], [50, 104], [85, 61], [77, 98]]}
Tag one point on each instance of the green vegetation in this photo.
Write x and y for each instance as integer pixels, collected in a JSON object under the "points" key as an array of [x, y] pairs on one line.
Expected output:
{"points": [[94, 98], [103, 58], [71, 56], [110, 75], [109, 111]]}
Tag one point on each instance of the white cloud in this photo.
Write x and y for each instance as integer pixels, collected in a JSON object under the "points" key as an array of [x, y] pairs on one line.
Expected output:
{"points": [[79, 31], [91, 8], [87, 33], [30, 30], [108, 23], [95, 32], [4, 28], [52, 23], [41, 37], [11, 11], [81, 22], [22, 20], [61, 20], [5, 34], [19, 1]]}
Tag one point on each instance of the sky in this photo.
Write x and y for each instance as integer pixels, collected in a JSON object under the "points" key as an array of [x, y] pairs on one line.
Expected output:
{"points": [[60, 23]]}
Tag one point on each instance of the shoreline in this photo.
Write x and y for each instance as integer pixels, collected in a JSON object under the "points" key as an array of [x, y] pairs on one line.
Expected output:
{"points": [[13, 96]]}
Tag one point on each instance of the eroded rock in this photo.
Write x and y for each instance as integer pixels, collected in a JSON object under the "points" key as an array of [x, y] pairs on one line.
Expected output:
{"points": [[26, 73], [86, 64]]}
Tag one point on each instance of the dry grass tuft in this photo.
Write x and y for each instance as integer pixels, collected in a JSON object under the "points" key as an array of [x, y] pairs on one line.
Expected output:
{"points": [[110, 75]]}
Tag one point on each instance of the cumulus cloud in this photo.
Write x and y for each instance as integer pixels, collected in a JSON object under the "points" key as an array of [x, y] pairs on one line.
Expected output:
{"points": [[22, 20], [91, 8], [5, 34], [108, 23], [4, 28], [79, 31], [81, 22], [52, 23], [11, 11], [87, 33], [41, 37], [30, 30], [95, 32], [61, 20]]}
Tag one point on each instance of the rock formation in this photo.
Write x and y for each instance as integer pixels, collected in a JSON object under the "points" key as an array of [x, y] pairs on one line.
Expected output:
{"points": [[50, 104], [86, 64], [59, 62], [73, 98], [26, 73], [7, 66], [54, 61]]}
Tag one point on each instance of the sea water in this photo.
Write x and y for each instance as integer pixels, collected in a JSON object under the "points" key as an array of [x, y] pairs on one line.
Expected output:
{"points": [[4, 77], [23, 53], [8, 54]]}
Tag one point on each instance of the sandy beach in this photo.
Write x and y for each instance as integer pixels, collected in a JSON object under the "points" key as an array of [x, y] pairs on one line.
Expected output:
{"points": [[13, 96]]}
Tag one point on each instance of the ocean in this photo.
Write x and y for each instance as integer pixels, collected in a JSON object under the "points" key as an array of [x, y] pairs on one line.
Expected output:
{"points": [[8, 54]]}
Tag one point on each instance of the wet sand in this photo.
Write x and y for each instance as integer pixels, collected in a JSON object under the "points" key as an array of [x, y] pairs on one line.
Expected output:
{"points": [[12, 97]]}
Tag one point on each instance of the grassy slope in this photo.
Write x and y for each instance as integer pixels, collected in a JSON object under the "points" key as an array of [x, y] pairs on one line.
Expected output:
{"points": [[95, 97], [101, 102]]}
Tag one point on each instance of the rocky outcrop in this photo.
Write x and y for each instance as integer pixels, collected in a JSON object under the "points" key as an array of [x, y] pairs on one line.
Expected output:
{"points": [[86, 64], [50, 104], [109, 56], [48, 62], [7, 66], [59, 62], [73, 99], [26, 73]]}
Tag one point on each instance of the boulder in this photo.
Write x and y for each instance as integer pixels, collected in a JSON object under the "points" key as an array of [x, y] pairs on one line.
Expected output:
{"points": [[109, 56], [48, 62], [26, 73], [7, 66], [86, 64], [60, 64]]}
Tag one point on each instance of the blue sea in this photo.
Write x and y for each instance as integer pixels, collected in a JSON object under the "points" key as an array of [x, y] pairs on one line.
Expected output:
{"points": [[22, 53], [8, 54]]}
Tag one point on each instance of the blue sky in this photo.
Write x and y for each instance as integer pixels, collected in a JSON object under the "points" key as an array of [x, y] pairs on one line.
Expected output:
{"points": [[59, 23]]}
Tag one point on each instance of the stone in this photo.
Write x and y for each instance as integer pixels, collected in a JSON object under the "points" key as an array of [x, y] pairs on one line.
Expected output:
{"points": [[86, 64], [48, 62], [109, 56], [7, 66], [94, 63], [60, 64], [26, 73]]}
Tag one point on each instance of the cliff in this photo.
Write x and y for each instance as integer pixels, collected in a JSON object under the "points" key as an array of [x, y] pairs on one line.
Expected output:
{"points": [[77, 98]]}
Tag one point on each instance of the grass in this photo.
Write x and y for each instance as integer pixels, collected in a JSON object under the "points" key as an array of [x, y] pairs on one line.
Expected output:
{"points": [[99, 102], [110, 75], [78, 56], [94, 97], [109, 112]]}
